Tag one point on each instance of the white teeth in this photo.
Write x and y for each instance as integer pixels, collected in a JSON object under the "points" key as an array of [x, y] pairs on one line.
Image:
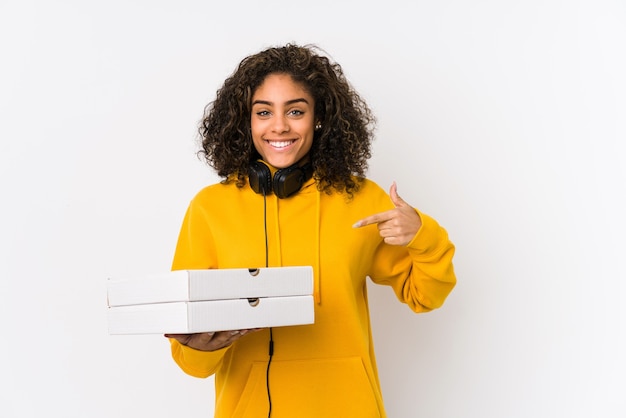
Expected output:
{"points": [[280, 144]]}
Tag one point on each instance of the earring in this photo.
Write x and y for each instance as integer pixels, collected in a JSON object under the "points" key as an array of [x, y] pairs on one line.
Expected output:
{"points": [[318, 126]]}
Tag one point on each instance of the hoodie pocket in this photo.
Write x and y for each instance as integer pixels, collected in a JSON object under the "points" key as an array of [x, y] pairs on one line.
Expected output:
{"points": [[312, 388]]}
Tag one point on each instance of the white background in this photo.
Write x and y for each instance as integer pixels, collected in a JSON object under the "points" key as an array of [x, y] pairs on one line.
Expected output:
{"points": [[505, 120]]}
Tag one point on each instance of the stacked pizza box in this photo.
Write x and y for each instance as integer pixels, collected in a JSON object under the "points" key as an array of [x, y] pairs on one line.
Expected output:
{"points": [[191, 301]]}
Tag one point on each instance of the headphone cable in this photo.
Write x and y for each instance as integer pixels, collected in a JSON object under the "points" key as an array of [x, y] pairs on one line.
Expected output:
{"points": [[271, 343]]}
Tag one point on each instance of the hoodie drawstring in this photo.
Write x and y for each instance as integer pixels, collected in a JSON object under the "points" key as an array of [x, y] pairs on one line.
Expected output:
{"points": [[316, 270]]}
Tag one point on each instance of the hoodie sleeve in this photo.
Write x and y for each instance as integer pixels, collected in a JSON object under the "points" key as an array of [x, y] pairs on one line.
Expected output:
{"points": [[421, 274], [194, 250], [196, 363]]}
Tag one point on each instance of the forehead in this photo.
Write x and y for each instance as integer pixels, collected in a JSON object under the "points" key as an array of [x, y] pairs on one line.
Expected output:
{"points": [[281, 86]]}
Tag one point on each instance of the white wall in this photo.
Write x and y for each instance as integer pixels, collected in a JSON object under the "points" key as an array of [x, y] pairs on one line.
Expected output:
{"points": [[504, 120]]}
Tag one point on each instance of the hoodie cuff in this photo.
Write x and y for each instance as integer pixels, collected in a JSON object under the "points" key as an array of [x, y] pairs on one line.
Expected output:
{"points": [[429, 237], [194, 362]]}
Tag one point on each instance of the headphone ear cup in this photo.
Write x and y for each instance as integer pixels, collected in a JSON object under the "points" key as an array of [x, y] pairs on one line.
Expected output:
{"points": [[260, 178], [288, 181]]}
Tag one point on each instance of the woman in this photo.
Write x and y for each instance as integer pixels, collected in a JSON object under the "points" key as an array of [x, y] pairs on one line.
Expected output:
{"points": [[291, 139]]}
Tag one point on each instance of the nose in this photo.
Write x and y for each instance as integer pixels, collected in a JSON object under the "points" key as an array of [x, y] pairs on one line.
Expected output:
{"points": [[280, 125]]}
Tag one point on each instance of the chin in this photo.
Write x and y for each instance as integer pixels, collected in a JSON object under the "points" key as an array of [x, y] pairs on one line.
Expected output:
{"points": [[280, 163]]}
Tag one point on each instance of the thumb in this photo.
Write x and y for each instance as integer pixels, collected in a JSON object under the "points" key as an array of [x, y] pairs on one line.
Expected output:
{"points": [[395, 198]]}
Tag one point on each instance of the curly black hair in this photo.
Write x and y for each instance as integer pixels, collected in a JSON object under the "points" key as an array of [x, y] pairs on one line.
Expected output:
{"points": [[341, 148]]}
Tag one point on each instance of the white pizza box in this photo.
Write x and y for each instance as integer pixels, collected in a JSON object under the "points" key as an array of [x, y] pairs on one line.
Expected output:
{"points": [[209, 316], [210, 284]]}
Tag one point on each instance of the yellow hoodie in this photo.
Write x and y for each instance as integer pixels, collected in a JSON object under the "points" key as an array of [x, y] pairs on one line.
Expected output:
{"points": [[327, 369]]}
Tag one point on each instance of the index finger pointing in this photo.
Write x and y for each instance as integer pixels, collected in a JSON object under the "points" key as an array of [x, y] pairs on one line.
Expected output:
{"points": [[373, 219]]}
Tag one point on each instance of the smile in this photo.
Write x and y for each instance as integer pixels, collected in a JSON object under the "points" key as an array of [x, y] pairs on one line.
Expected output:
{"points": [[279, 144]]}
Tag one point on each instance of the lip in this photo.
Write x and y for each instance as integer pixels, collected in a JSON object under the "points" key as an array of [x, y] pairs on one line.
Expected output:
{"points": [[273, 142]]}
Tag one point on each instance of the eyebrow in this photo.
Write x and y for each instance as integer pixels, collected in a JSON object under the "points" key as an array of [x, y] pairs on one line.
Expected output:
{"points": [[287, 103]]}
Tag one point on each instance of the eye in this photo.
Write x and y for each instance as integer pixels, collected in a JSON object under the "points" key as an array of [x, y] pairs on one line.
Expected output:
{"points": [[296, 112], [263, 113]]}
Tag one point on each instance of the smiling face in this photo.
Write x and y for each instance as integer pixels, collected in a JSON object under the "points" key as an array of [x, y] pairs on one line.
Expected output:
{"points": [[282, 120]]}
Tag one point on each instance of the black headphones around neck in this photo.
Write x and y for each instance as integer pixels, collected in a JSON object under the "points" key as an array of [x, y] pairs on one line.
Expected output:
{"points": [[286, 181]]}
